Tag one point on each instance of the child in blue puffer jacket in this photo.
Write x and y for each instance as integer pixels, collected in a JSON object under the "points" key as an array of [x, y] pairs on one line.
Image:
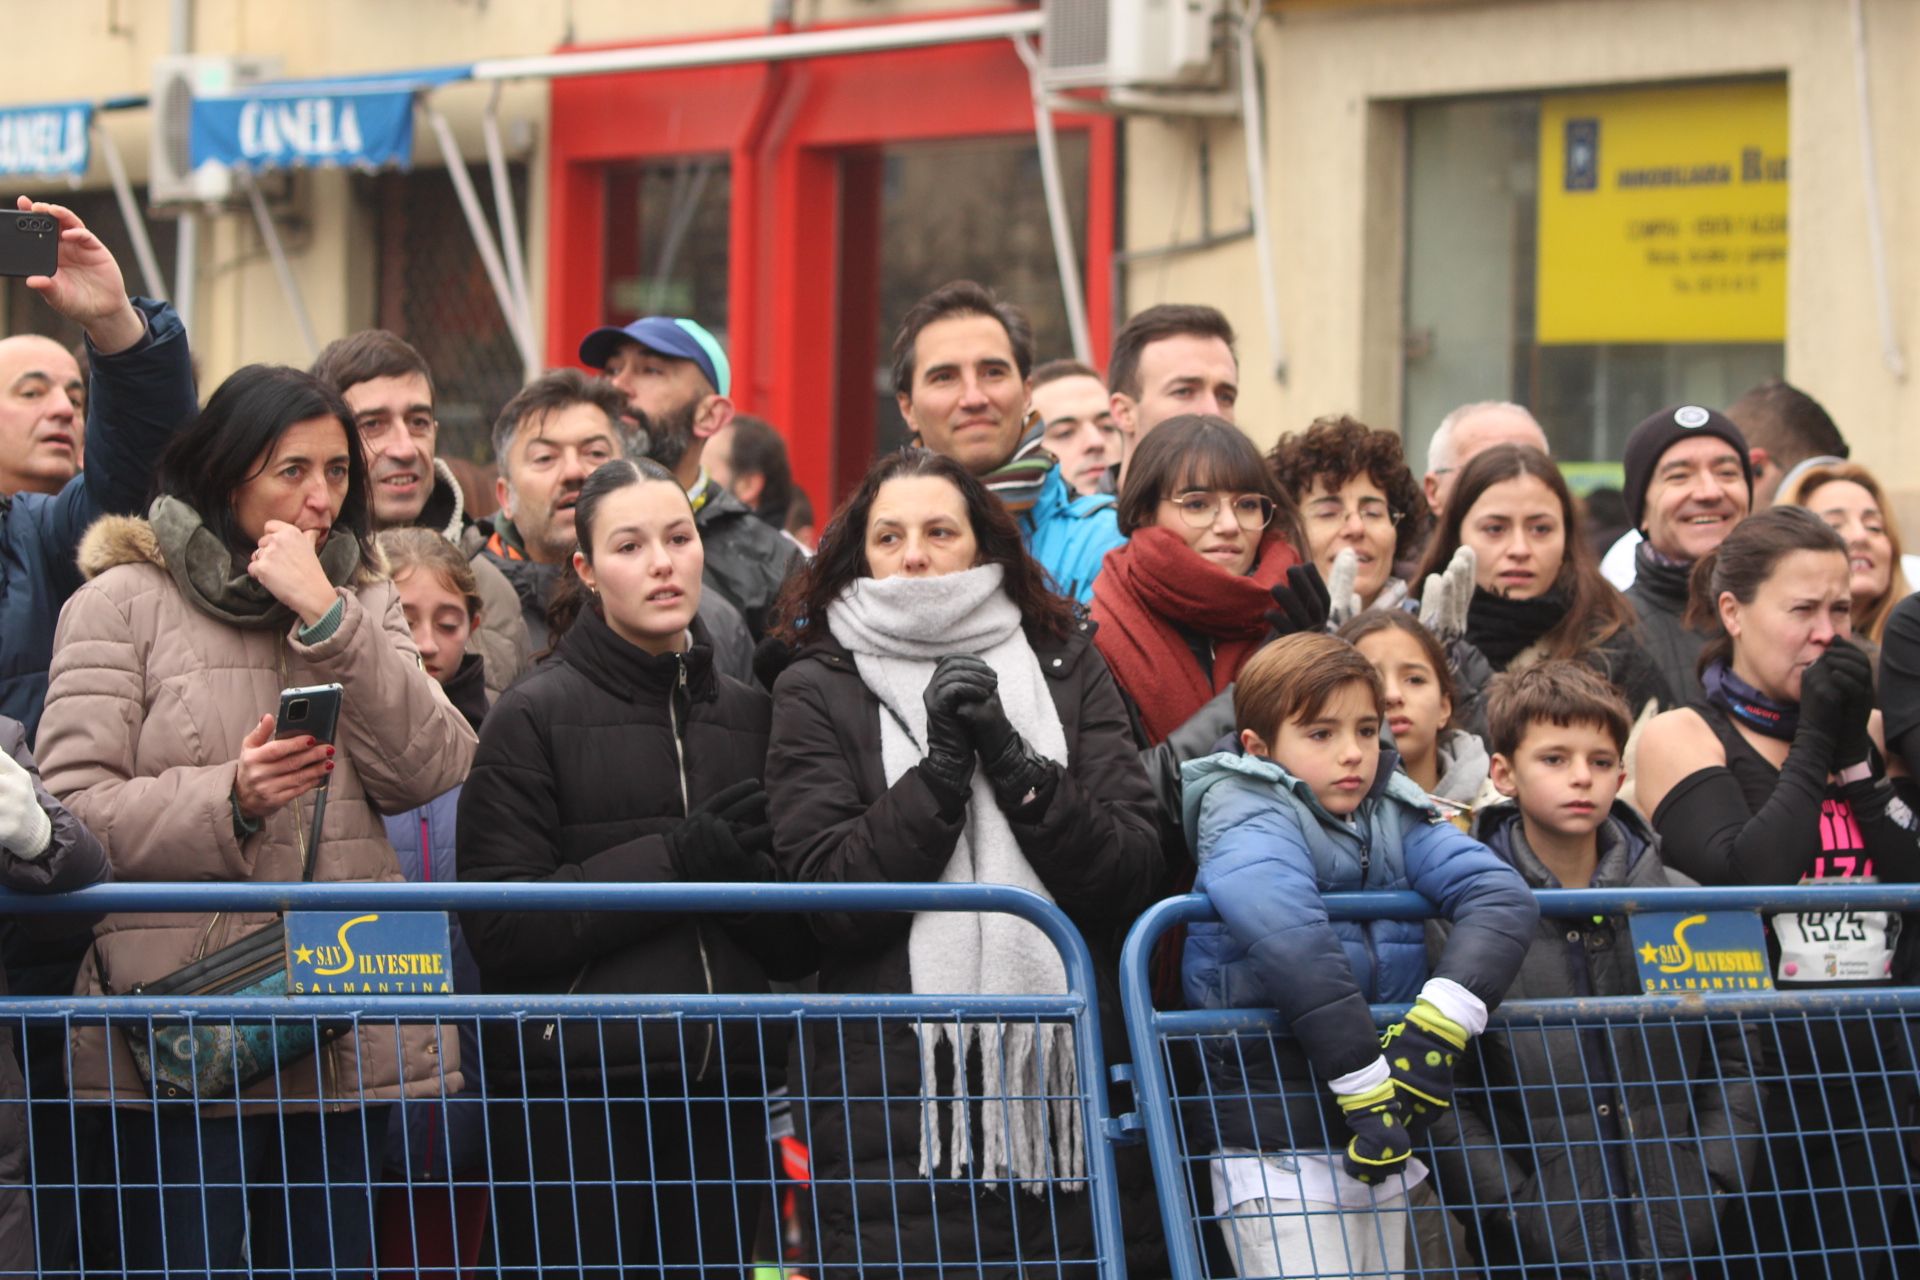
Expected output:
{"points": [[1314, 1138], [437, 1149]]}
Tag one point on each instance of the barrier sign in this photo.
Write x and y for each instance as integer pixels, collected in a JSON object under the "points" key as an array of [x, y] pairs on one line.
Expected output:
{"points": [[1701, 951], [46, 141], [1663, 216], [337, 953]]}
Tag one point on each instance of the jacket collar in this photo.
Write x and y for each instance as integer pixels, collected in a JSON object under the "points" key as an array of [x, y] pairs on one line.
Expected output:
{"points": [[631, 673], [1057, 500], [467, 691], [446, 509], [1625, 839], [1660, 580], [112, 541], [1058, 658]]}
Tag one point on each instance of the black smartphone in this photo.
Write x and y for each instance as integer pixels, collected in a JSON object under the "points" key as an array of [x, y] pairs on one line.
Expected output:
{"points": [[312, 712], [29, 244]]}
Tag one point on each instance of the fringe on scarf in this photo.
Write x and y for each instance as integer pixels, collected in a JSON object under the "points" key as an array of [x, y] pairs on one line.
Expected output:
{"points": [[1029, 1112]]}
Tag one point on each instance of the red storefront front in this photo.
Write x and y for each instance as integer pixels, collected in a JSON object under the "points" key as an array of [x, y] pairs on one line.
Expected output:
{"points": [[828, 191]]}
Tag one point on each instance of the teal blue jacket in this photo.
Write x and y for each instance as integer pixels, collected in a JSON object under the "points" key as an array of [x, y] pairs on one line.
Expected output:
{"points": [[1070, 535]]}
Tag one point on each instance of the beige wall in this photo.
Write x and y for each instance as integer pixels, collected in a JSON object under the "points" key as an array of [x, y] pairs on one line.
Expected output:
{"points": [[1336, 78]]}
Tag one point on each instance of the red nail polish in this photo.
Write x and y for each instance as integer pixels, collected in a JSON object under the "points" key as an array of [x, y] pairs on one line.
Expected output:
{"points": [[329, 766], [329, 753], [313, 742]]}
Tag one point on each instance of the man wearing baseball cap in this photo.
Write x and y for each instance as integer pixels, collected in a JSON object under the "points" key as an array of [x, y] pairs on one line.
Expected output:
{"points": [[1689, 480], [676, 380]]}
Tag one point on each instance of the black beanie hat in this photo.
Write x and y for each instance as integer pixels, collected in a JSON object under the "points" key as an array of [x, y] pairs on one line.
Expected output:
{"points": [[1652, 438]]}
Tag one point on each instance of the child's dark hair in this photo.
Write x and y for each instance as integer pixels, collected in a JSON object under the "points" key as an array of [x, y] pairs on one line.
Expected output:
{"points": [[1746, 558], [1294, 677], [1558, 691], [570, 595], [1373, 621]]}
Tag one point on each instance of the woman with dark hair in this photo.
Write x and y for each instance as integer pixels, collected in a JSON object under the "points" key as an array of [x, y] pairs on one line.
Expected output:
{"points": [[1362, 509], [251, 573], [1186, 601], [1773, 779], [626, 759], [946, 718], [1537, 592]]}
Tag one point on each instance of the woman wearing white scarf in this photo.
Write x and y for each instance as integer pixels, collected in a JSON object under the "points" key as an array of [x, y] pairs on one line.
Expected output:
{"points": [[947, 719]]}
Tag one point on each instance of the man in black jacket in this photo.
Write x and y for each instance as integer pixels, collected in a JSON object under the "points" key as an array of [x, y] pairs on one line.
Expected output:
{"points": [[676, 380], [1689, 480]]}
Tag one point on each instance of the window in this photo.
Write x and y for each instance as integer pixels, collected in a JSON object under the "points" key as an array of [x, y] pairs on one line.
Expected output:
{"points": [[1594, 256], [667, 251]]}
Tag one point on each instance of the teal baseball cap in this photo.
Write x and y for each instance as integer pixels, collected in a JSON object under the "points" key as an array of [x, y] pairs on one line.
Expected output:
{"points": [[670, 336]]}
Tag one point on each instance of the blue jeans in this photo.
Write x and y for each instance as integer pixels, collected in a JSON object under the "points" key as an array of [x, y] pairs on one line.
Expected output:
{"points": [[262, 1195]]}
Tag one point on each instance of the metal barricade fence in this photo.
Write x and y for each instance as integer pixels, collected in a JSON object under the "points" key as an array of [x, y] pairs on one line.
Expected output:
{"points": [[601, 1134], [1669, 1135]]}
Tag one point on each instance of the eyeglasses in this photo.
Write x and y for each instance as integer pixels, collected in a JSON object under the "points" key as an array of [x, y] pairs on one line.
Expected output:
{"points": [[1331, 513], [1199, 510]]}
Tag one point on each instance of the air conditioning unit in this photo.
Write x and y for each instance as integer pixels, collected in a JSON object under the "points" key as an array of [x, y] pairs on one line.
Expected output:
{"points": [[177, 81], [1141, 44]]}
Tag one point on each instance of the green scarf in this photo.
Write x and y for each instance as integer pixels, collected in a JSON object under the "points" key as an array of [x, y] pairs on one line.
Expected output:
{"points": [[216, 581]]}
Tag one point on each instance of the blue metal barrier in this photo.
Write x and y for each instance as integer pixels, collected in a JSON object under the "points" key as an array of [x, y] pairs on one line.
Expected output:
{"points": [[151, 1181], [1765, 1134]]}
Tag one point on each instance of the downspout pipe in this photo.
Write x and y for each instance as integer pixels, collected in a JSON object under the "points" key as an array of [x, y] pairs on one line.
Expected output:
{"points": [[1890, 351]]}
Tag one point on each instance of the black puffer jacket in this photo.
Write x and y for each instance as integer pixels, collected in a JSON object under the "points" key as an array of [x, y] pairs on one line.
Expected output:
{"points": [[1659, 596], [836, 820], [1649, 1127], [747, 558], [579, 778]]}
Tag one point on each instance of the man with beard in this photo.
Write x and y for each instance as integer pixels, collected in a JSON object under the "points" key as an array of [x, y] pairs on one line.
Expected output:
{"points": [[388, 387], [555, 433], [1689, 480], [676, 380]]}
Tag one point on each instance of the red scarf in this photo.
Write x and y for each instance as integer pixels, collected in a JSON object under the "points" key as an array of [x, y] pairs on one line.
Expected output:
{"points": [[1156, 580]]}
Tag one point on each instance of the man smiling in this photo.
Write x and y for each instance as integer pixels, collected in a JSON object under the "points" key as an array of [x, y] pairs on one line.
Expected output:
{"points": [[1689, 480]]}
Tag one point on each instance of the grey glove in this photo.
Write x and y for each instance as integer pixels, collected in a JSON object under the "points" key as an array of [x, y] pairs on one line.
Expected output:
{"points": [[1447, 596], [25, 829], [1345, 601]]}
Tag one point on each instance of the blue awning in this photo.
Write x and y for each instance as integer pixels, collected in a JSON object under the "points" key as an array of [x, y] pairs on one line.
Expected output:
{"points": [[47, 140], [362, 121]]}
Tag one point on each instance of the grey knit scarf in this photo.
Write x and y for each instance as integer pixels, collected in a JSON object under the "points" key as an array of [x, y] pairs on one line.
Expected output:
{"points": [[897, 629]]}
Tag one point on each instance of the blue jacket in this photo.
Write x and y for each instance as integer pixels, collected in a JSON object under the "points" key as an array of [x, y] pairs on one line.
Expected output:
{"points": [[1267, 852], [136, 400], [1070, 535], [427, 1138]]}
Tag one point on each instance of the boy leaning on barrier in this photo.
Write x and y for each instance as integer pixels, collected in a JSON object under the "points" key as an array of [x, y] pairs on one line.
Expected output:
{"points": [[43, 849], [1602, 1148], [1314, 1135]]}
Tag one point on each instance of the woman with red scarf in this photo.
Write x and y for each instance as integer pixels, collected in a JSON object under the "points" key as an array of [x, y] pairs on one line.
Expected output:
{"points": [[1202, 583]]}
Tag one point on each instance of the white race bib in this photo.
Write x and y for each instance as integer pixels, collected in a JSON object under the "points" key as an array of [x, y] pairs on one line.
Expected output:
{"points": [[1836, 946]]}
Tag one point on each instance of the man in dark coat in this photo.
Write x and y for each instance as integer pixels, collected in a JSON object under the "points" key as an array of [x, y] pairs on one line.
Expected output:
{"points": [[1689, 480], [139, 393], [676, 380]]}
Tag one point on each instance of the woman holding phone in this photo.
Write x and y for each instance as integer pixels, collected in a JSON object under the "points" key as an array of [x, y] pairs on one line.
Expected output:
{"points": [[252, 573]]}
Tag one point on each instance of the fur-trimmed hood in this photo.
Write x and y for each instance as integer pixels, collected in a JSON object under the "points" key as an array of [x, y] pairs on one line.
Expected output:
{"points": [[112, 541]]}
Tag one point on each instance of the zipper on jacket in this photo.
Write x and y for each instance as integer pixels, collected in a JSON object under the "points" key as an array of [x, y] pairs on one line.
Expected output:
{"points": [[572, 987], [686, 807], [1367, 927]]}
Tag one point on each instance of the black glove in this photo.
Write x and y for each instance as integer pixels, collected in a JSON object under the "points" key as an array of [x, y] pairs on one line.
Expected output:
{"points": [[1301, 604], [1836, 697], [1021, 777], [1380, 1146], [1421, 1050], [947, 768], [727, 839]]}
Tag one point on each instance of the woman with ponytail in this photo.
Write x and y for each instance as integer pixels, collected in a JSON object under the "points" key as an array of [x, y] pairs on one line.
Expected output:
{"points": [[1774, 779], [946, 718], [627, 758]]}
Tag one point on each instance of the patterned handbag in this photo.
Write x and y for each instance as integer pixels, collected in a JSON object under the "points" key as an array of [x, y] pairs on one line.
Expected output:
{"points": [[211, 1058]]}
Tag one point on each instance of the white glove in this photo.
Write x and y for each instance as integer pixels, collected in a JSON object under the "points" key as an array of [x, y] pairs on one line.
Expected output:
{"points": [[1447, 595], [25, 829], [1343, 600]]}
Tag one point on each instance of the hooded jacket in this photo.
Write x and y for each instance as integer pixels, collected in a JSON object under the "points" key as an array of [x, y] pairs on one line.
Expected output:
{"points": [[496, 543], [1600, 1148], [1268, 852], [1070, 534], [747, 559], [586, 767], [836, 821], [73, 860], [136, 400], [1659, 596], [149, 702], [501, 637]]}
